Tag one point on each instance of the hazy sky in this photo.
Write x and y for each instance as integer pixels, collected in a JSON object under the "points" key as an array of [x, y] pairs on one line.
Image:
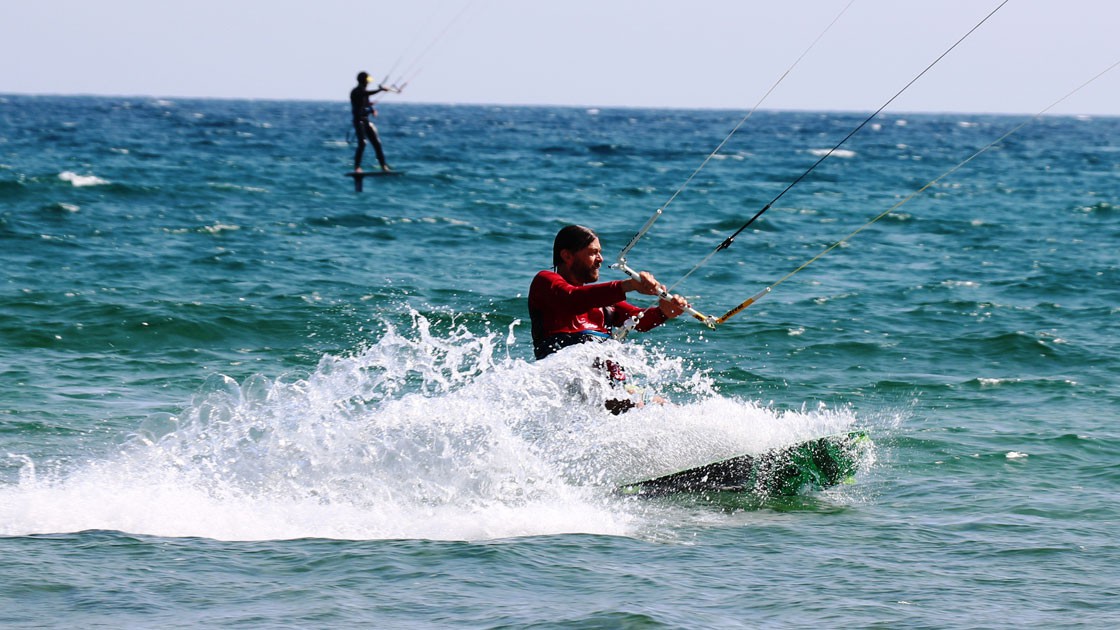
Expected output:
{"points": [[696, 53]]}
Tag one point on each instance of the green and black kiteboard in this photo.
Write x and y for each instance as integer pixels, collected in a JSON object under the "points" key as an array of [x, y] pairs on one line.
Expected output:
{"points": [[787, 471]]}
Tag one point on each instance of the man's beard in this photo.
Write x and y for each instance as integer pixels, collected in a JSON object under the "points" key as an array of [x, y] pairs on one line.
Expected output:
{"points": [[588, 275]]}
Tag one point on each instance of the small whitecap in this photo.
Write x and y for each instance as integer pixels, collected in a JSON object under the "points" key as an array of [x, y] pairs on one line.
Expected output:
{"points": [[218, 228], [229, 186], [952, 284], [594, 111], [840, 153], [81, 180], [1016, 455], [61, 207], [1053, 338]]}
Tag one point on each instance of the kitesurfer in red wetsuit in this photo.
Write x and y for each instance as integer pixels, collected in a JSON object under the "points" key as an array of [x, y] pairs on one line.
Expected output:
{"points": [[566, 308]]}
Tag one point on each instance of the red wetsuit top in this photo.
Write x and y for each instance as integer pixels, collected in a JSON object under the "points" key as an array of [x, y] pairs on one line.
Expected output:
{"points": [[563, 314]]}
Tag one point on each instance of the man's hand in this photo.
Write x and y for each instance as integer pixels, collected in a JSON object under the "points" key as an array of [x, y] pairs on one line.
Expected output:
{"points": [[645, 284], [672, 307]]}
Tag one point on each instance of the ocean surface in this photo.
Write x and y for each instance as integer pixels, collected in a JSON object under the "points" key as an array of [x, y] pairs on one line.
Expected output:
{"points": [[234, 392]]}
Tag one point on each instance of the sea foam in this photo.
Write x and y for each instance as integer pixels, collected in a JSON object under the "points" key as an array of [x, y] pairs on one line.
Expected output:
{"points": [[420, 435]]}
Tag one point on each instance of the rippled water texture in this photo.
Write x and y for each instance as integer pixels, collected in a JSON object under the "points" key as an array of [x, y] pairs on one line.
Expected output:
{"points": [[236, 392]]}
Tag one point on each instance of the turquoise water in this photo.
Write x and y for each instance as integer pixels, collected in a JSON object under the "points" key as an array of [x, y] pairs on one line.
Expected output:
{"points": [[235, 392]]}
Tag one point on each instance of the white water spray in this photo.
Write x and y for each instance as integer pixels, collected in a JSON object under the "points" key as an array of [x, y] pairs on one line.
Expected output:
{"points": [[425, 434]]}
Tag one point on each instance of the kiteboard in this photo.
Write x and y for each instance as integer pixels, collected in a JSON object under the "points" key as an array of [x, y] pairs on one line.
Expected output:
{"points": [[811, 465], [360, 176]]}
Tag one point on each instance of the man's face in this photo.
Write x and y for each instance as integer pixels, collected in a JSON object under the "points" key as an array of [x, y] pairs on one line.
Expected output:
{"points": [[584, 263]]}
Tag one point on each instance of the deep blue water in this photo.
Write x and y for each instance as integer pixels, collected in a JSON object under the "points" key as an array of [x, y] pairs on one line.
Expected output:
{"points": [[236, 392]]}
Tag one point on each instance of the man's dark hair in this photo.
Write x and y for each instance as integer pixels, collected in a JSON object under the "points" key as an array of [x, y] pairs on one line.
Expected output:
{"points": [[570, 238]]}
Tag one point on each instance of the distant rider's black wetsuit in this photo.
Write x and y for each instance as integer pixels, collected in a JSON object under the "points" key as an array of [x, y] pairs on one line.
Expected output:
{"points": [[361, 108]]}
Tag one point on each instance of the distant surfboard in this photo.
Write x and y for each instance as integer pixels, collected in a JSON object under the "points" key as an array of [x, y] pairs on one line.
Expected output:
{"points": [[360, 176], [811, 465]]}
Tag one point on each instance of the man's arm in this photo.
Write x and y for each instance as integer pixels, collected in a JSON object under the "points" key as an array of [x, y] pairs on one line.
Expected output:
{"points": [[554, 293], [651, 317]]}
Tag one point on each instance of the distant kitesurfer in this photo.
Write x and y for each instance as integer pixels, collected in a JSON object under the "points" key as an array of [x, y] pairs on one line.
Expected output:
{"points": [[362, 109], [566, 308]]}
